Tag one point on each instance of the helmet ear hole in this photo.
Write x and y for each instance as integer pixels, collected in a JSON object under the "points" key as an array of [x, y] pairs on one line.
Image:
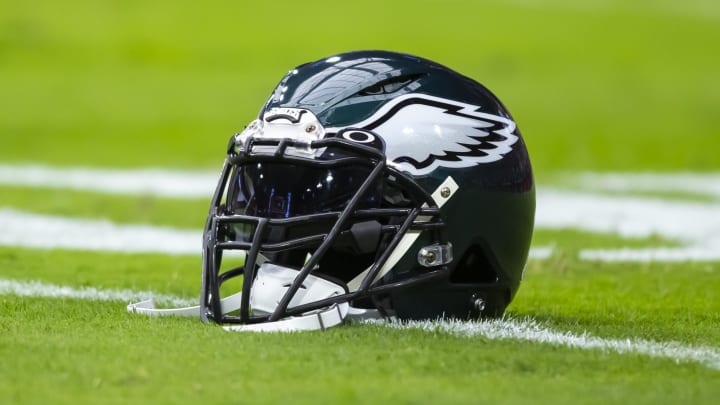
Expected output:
{"points": [[474, 268]]}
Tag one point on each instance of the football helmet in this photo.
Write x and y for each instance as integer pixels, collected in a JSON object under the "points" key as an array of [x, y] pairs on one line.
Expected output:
{"points": [[371, 184]]}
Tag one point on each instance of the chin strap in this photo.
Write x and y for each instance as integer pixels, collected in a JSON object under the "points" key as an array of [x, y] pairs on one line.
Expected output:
{"points": [[147, 307], [271, 282], [317, 320]]}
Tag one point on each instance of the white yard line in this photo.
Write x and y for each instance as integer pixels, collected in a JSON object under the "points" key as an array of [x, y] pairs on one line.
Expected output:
{"points": [[23, 229], [159, 182], [497, 329], [694, 224], [676, 255], [627, 216], [706, 184], [45, 290], [533, 331], [541, 252]]}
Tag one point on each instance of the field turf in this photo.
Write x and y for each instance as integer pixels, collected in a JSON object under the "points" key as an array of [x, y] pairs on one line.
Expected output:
{"points": [[595, 87]]}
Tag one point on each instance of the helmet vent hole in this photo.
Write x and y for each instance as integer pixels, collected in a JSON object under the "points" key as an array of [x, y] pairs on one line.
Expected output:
{"points": [[387, 86], [474, 268]]}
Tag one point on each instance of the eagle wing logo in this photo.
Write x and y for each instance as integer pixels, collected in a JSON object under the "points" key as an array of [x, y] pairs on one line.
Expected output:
{"points": [[422, 133]]}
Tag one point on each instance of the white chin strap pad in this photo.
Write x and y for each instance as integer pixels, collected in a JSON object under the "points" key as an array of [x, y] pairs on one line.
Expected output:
{"points": [[273, 281], [270, 285]]}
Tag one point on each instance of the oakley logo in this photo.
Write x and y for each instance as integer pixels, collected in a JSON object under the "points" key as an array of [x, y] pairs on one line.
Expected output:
{"points": [[359, 136]]}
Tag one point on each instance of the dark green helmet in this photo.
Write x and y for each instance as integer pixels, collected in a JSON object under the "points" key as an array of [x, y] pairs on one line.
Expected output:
{"points": [[372, 183]]}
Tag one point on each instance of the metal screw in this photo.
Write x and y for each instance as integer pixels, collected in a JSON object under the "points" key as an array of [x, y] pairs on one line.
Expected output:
{"points": [[445, 192], [429, 256], [310, 128], [479, 304]]}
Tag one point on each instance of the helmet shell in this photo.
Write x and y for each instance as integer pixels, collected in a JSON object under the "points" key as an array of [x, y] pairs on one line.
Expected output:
{"points": [[489, 222]]}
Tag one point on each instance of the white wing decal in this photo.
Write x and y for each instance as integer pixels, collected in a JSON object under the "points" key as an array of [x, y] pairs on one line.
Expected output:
{"points": [[422, 133]]}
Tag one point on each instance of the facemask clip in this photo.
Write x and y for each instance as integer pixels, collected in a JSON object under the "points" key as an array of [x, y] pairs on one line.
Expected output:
{"points": [[435, 255]]}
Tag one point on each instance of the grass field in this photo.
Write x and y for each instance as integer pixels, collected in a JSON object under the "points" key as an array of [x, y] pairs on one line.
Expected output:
{"points": [[618, 103]]}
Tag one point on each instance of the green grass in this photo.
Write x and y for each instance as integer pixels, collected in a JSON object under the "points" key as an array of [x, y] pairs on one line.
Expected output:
{"points": [[171, 274], [657, 301], [134, 84], [68, 351], [128, 359], [605, 85]]}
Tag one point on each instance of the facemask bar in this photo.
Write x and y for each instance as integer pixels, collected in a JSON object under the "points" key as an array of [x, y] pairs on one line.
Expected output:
{"points": [[358, 154]]}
